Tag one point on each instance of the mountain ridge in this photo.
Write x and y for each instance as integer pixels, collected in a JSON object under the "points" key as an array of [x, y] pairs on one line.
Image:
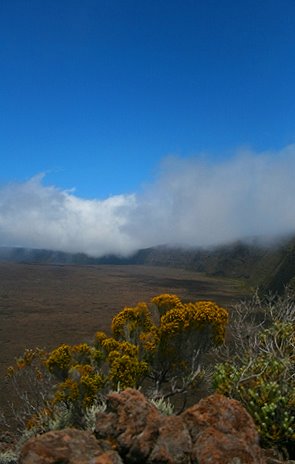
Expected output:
{"points": [[270, 266]]}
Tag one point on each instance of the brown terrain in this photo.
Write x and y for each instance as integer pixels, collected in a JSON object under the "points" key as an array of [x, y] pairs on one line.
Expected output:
{"points": [[46, 305]]}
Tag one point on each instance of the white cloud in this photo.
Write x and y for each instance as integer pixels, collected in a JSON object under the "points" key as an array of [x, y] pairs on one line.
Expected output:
{"points": [[196, 202], [192, 202], [33, 215]]}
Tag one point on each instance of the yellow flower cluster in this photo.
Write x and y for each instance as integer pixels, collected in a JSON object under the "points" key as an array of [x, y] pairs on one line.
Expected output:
{"points": [[90, 385], [110, 344], [124, 347], [125, 371], [64, 357], [81, 387], [85, 354], [149, 341], [78, 370], [195, 316], [81, 349], [208, 312], [165, 302], [174, 320], [129, 322], [100, 337], [128, 348], [67, 392], [59, 360]]}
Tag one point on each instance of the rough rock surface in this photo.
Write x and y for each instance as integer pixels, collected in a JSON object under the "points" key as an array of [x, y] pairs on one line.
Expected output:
{"points": [[131, 430], [69, 446], [222, 431], [216, 430]]}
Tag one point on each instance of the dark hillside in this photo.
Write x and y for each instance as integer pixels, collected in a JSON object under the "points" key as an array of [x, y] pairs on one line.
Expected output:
{"points": [[268, 266], [279, 268], [235, 260]]}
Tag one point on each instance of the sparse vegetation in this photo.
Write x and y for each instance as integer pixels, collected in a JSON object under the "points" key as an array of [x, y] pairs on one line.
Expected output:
{"points": [[253, 348], [142, 351], [258, 368], [8, 457]]}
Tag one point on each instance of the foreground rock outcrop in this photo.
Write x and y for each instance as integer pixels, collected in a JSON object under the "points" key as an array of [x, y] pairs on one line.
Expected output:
{"points": [[217, 430], [68, 446]]}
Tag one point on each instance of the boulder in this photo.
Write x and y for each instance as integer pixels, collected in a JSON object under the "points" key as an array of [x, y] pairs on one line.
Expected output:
{"points": [[132, 422], [69, 446], [222, 432], [173, 444]]}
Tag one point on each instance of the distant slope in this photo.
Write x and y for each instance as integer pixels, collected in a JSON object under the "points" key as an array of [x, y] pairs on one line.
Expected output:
{"points": [[270, 267], [234, 260], [39, 256], [277, 269]]}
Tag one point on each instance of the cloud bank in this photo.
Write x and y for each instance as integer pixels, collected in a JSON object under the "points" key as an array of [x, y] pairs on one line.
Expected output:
{"points": [[192, 202]]}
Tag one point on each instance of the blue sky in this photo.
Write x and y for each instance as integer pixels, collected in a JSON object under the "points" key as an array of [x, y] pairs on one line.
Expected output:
{"points": [[101, 95]]}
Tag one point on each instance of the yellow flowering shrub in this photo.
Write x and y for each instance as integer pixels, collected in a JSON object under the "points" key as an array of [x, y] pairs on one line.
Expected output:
{"points": [[186, 332], [154, 345], [77, 367], [62, 358], [172, 341]]}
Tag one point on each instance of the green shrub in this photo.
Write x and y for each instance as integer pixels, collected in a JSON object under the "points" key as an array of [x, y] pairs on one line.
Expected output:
{"points": [[262, 378]]}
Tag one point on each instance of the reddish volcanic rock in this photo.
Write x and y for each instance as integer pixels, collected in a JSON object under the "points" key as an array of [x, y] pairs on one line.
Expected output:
{"points": [[217, 430], [69, 446], [131, 421], [222, 432], [173, 444]]}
